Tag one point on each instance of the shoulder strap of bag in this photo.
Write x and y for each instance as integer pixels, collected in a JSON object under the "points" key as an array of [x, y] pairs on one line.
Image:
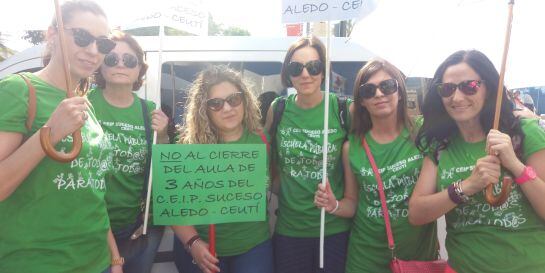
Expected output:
{"points": [[278, 110], [343, 113], [385, 212], [265, 141], [147, 128], [31, 102]]}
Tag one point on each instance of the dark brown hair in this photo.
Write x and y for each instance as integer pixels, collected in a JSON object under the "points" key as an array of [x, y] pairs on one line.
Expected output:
{"points": [[311, 41], [361, 122], [120, 36]]}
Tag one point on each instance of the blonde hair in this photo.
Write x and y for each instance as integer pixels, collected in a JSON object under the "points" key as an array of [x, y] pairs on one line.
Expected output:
{"points": [[198, 128]]}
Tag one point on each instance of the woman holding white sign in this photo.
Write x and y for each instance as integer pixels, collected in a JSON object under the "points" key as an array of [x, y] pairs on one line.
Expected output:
{"points": [[380, 118], [128, 122], [221, 109], [296, 126]]}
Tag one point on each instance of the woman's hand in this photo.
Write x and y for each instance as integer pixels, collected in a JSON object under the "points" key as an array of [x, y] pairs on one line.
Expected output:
{"points": [[116, 269], [487, 171], [69, 116], [203, 258], [324, 197], [159, 123], [499, 144]]}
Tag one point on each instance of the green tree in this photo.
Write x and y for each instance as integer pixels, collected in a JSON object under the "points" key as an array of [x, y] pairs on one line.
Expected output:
{"points": [[218, 29], [34, 36]]}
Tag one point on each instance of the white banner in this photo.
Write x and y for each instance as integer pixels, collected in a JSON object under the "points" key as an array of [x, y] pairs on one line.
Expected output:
{"points": [[295, 11], [188, 15]]}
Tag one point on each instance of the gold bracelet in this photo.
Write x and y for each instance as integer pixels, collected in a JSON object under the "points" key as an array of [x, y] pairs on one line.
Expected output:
{"points": [[118, 261]]}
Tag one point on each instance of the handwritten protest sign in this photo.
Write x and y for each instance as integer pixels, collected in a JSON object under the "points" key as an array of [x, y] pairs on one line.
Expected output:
{"points": [[190, 16], [296, 11], [209, 183]]}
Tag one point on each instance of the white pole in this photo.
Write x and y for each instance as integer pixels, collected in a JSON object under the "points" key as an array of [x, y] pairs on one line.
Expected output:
{"points": [[150, 180], [326, 143]]}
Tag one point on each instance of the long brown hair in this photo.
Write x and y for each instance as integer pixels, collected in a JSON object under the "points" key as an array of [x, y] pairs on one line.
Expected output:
{"points": [[361, 121]]}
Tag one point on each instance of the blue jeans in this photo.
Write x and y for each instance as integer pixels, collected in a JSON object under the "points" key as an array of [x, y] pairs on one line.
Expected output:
{"points": [[302, 255], [140, 253], [258, 259]]}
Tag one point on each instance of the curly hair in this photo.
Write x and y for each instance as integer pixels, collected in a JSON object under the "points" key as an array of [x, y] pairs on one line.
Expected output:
{"points": [[439, 127], [361, 121], [120, 36], [198, 128]]}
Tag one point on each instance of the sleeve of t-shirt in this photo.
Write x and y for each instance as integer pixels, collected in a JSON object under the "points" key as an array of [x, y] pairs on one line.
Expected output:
{"points": [[534, 137], [14, 98]]}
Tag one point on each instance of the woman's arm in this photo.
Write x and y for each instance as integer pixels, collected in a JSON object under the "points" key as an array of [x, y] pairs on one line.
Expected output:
{"points": [[426, 204], [534, 189], [159, 123], [17, 161], [114, 252], [324, 197], [198, 249]]}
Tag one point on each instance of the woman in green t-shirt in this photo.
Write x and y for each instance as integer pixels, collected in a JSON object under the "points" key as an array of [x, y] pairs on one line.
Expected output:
{"points": [[221, 109], [380, 117], [120, 112], [297, 146], [53, 214], [466, 156]]}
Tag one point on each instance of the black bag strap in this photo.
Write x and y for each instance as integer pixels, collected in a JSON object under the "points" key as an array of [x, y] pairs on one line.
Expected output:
{"points": [[343, 113], [147, 127]]}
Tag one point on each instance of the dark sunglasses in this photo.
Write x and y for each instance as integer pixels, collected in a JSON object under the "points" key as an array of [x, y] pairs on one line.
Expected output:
{"points": [[217, 104], [83, 38], [470, 87], [313, 67], [369, 90], [129, 60]]}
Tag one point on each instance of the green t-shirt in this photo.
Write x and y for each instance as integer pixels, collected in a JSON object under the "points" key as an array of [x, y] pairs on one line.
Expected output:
{"points": [[56, 220], [237, 238], [299, 141], [481, 238], [399, 164], [124, 127]]}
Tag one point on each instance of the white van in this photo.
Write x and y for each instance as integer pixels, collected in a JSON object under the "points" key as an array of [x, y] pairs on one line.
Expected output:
{"points": [[258, 59]]}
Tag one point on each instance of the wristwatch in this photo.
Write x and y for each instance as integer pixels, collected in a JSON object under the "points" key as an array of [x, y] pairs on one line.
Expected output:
{"points": [[527, 174]]}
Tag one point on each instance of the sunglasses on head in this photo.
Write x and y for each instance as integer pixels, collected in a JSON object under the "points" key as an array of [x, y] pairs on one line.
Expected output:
{"points": [[217, 104], [470, 87], [83, 38], [313, 68], [129, 60], [369, 90]]}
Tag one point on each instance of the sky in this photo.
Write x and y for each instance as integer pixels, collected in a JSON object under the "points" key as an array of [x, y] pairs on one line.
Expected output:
{"points": [[257, 16]]}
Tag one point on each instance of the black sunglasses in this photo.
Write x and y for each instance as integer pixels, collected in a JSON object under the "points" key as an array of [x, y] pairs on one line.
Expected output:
{"points": [[129, 60], [470, 87], [83, 38], [313, 67], [217, 104], [369, 90]]}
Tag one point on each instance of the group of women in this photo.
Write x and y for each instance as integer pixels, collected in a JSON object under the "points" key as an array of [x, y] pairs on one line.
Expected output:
{"points": [[84, 216]]}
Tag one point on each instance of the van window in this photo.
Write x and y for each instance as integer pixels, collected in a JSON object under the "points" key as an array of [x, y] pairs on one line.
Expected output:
{"points": [[263, 77]]}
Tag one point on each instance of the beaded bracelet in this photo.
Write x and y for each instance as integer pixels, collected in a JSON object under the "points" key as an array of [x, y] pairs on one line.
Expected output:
{"points": [[336, 207]]}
